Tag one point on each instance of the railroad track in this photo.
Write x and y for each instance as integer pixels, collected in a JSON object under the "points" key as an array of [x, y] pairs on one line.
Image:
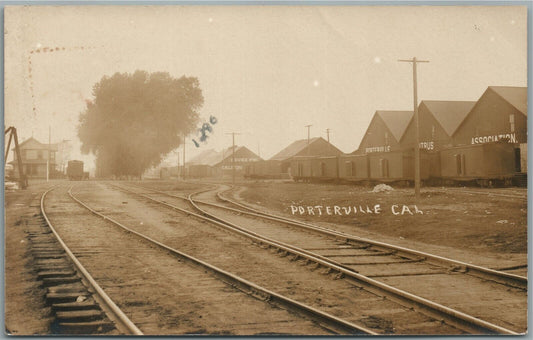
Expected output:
{"points": [[504, 192], [319, 251], [78, 302], [230, 304]]}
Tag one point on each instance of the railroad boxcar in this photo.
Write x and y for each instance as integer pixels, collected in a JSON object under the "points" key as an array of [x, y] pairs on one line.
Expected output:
{"points": [[353, 167], [268, 169], [75, 170], [300, 168], [485, 164], [200, 171], [397, 166], [325, 168]]}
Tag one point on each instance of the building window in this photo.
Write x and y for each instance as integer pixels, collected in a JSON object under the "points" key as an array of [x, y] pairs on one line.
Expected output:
{"points": [[433, 132], [31, 154], [511, 121], [386, 138], [40, 154], [322, 169]]}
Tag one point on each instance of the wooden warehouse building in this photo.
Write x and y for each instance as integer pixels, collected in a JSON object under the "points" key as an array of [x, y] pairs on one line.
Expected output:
{"points": [[384, 132], [437, 121], [243, 157], [316, 146], [500, 115]]}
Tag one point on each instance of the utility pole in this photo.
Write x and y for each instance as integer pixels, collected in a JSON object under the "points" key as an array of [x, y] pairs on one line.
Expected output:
{"points": [[183, 175], [308, 137], [417, 131], [49, 152], [327, 133], [233, 155]]}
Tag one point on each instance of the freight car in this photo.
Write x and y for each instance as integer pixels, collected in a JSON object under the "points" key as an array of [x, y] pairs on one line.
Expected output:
{"points": [[485, 164], [75, 170], [389, 167], [481, 164]]}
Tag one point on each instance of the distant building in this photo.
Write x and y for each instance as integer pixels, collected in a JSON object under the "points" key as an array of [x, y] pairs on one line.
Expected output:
{"points": [[203, 164], [240, 159], [34, 156], [211, 163], [384, 132], [316, 146]]}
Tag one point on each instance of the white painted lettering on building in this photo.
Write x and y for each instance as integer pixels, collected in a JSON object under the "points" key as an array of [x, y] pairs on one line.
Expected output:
{"points": [[511, 137]]}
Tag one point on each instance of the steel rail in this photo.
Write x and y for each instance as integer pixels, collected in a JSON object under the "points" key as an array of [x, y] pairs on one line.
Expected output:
{"points": [[114, 313], [463, 191], [325, 319], [514, 280], [440, 312]]}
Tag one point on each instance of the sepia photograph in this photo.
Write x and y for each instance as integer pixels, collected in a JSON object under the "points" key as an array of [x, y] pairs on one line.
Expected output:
{"points": [[265, 170]]}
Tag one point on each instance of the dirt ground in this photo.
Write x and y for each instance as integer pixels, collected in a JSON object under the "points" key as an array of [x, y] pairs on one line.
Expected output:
{"points": [[480, 223], [25, 311]]}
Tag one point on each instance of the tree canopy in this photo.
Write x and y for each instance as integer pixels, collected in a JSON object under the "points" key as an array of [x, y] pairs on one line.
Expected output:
{"points": [[136, 119]]}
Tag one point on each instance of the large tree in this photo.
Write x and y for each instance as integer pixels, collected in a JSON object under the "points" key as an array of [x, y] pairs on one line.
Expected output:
{"points": [[136, 119]]}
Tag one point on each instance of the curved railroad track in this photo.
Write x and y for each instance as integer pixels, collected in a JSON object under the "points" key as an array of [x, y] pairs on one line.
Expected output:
{"points": [[72, 294], [230, 304], [328, 252]]}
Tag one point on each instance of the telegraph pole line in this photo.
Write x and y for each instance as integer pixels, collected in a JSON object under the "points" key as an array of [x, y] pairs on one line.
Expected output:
{"points": [[417, 131], [233, 154]]}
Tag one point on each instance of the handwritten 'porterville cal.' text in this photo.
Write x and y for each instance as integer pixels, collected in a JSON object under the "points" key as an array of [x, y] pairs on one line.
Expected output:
{"points": [[320, 210]]}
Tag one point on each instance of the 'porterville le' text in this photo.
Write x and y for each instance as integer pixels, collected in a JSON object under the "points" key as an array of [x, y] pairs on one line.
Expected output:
{"points": [[320, 210]]}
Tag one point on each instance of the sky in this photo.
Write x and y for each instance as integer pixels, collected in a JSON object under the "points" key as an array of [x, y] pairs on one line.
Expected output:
{"points": [[265, 71]]}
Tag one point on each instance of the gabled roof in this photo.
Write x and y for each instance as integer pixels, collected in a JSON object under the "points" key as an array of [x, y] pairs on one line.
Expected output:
{"points": [[516, 96], [208, 157], [396, 121], [228, 152], [449, 114], [293, 149], [33, 144]]}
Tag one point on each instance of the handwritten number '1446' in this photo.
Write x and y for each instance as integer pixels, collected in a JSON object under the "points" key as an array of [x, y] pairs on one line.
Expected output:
{"points": [[206, 127]]}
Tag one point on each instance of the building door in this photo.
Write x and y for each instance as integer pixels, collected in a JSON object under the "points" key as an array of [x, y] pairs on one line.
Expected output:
{"points": [[517, 160]]}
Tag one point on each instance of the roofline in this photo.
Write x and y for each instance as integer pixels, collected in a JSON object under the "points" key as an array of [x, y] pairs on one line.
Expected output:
{"points": [[412, 118], [314, 139], [499, 95], [477, 103], [384, 123]]}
